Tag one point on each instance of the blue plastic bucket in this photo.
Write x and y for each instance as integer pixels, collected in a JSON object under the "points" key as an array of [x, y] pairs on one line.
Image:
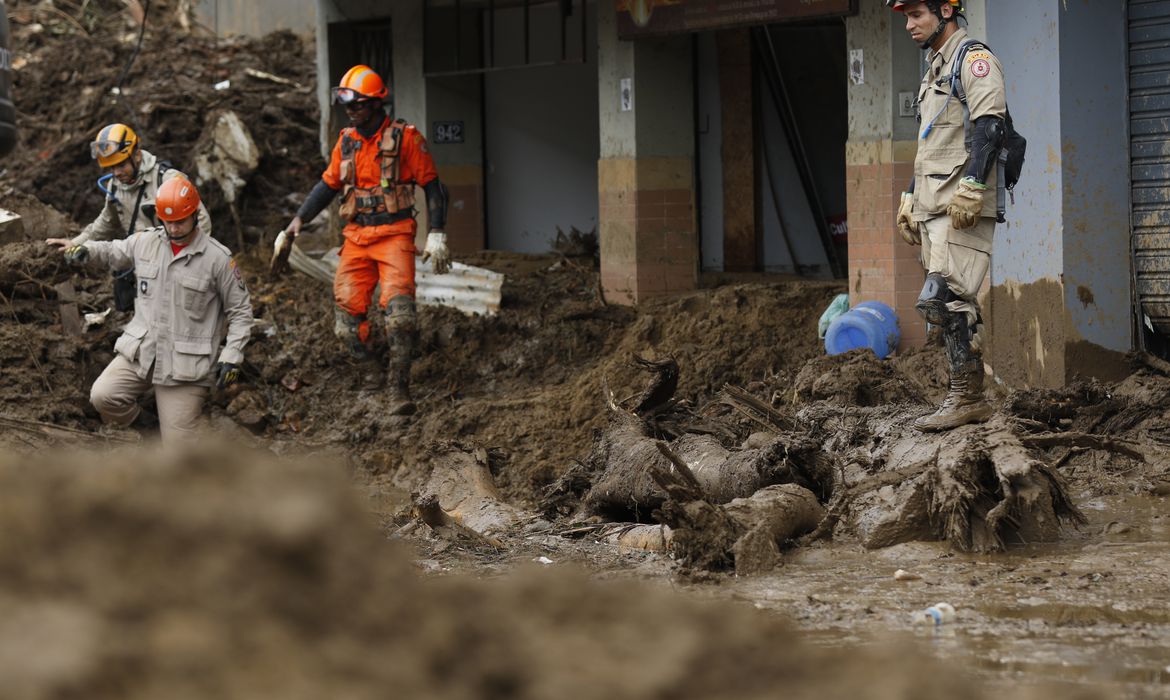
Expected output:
{"points": [[870, 324]]}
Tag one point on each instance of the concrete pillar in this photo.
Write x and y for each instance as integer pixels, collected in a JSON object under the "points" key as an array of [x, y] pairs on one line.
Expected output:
{"points": [[879, 164], [1060, 303], [646, 186]]}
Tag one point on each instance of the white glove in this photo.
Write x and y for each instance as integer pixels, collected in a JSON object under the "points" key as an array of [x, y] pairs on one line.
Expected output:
{"points": [[280, 239], [280, 252], [437, 249]]}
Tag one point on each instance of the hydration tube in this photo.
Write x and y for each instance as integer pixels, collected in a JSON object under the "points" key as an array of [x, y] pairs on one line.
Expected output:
{"points": [[101, 184]]}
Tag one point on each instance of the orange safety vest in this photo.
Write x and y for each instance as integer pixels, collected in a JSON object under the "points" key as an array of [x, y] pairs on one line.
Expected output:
{"points": [[390, 195]]}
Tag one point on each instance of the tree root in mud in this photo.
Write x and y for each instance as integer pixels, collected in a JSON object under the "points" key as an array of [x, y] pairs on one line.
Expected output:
{"points": [[746, 534], [462, 493], [976, 487]]}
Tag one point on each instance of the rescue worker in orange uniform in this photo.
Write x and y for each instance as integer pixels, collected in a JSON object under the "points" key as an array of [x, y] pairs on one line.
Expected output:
{"points": [[376, 163]]}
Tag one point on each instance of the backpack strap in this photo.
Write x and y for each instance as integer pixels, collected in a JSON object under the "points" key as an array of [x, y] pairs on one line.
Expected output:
{"points": [[163, 167], [957, 89]]}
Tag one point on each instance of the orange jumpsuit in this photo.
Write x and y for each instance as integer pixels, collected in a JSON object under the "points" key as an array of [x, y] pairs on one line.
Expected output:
{"points": [[382, 253]]}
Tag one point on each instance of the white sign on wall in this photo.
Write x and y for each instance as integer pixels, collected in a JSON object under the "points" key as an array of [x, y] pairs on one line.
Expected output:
{"points": [[857, 66], [627, 95]]}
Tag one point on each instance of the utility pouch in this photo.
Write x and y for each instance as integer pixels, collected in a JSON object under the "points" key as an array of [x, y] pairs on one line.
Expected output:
{"points": [[125, 289]]}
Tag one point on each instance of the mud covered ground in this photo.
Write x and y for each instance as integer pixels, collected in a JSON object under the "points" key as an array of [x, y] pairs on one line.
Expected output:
{"points": [[129, 575]]}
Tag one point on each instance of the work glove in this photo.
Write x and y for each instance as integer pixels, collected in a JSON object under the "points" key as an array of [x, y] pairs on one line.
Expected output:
{"points": [[906, 225], [280, 252], [77, 255], [226, 374], [967, 204], [437, 249]]}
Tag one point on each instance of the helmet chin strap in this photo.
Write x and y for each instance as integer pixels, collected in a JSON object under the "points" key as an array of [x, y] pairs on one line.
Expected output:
{"points": [[942, 25]]}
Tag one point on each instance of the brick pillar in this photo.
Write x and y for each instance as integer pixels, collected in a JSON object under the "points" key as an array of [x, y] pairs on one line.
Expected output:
{"points": [[647, 227], [882, 267], [645, 173]]}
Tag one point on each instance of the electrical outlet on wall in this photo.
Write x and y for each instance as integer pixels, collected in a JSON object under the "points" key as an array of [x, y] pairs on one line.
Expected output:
{"points": [[905, 104]]}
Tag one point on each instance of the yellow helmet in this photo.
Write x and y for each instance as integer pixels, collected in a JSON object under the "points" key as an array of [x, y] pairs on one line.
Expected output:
{"points": [[114, 144]]}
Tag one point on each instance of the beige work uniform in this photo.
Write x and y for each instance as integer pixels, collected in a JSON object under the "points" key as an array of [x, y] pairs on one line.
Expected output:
{"points": [[114, 220], [173, 341], [962, 257]]}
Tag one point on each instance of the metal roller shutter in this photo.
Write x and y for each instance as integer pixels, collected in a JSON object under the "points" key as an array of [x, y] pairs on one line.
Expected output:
{"points": [[1149, 120]]}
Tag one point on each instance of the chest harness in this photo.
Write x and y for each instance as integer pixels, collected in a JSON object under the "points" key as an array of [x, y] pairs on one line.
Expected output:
{"points": [[388, 201]]}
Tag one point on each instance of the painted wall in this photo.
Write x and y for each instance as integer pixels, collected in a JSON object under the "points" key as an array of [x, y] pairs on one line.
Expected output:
{"points": [[256, 17], [1066, 240], [1095, 156], [1026, 39], [872, 103], [542, 145]]}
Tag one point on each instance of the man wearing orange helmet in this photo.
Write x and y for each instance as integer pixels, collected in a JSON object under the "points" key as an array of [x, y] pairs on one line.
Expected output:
{"points": [[962, 107], [188, 286], [376, 163], [132, 176]]}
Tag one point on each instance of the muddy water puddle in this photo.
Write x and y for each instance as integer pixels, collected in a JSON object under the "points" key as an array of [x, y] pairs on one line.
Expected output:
{"points": [[1091, 610]]}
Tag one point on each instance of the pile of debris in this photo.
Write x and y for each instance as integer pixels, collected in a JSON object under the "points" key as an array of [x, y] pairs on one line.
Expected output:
{"points": [[238, 114]]}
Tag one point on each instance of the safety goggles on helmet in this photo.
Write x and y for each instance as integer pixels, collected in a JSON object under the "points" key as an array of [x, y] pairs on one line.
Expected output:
{"points": [[347, 96], [105, 148], [113, 144]]}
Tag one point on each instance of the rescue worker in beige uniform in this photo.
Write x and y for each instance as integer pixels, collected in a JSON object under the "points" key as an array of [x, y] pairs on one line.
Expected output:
{"points": [[188, 286], [951, 209], [132, 176]]}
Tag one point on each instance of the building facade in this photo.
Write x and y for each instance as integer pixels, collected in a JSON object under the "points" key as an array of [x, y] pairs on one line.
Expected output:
{"points": [[693, 141]]}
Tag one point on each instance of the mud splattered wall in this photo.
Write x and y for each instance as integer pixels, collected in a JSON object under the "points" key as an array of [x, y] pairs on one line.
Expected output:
{"points": [[1094, 151], [1069, 226]]}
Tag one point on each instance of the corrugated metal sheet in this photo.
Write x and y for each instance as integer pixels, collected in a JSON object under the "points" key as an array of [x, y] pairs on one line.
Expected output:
{"points": [[472, 290], [1149, 101]]}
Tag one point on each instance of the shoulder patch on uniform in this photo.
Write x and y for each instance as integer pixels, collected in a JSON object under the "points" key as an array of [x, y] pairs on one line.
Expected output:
{"points": [[976, 55], [980, 68], [236, 272]]}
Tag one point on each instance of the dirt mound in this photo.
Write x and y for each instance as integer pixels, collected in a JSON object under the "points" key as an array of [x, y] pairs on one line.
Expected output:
{"points": [[531, 380], [69, 60], [856, 378], [223, 574]]}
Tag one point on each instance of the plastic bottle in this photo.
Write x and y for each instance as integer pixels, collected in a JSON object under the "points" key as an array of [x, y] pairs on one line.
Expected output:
{"points": [[934, 616], [870, 324]]}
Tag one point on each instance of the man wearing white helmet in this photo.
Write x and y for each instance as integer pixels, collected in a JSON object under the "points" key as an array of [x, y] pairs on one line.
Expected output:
{"points": [[951, 208]]}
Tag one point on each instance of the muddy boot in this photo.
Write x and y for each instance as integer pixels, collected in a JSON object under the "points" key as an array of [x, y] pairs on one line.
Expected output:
{"points": [[964, 402], [400, 333], [398, 386]]}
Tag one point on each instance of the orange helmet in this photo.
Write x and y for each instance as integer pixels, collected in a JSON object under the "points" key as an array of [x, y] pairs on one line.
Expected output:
{"points": [[359, 82], [176, 199], [113, 144]]}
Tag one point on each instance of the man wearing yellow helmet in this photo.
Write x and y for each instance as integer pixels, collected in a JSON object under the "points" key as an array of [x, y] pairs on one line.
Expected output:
{"points": [[131, 178], [962, 107]]}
